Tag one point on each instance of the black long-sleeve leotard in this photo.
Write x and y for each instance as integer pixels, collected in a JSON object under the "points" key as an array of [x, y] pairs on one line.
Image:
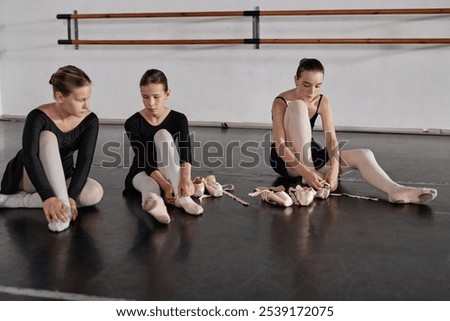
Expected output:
{"points": [[82, 139], [141, 136]]}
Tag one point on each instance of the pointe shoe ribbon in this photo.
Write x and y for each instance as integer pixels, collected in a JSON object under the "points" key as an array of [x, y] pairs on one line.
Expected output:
{"points": [[273, 195], [230, 187], [214, 189], [355, 196], [302, 195]]}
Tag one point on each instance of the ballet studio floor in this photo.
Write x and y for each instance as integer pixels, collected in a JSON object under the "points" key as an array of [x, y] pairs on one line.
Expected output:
{"points": [[342, 248]]}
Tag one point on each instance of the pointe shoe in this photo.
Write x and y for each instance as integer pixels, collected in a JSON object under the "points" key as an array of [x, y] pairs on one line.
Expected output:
{"points": [[324, 192], [212, 186], [189, 205], [302, 195], [413, 195], [58, 226], [285, 197], [278, 198], [199, 186], [154, 205]]}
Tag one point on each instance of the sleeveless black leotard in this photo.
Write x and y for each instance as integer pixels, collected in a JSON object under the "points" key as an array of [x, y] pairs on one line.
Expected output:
{"points": [[318, 152]]}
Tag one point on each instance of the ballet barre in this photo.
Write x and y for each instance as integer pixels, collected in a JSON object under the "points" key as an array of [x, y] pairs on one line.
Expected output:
{"points": [[255, 40]]}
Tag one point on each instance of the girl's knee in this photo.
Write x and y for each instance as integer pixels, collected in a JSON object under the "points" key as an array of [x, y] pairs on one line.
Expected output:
{"points": [[366, 153], [298, 105], [47, 137], [163, 135], [297, 109], [355, 158], [91, 194]]}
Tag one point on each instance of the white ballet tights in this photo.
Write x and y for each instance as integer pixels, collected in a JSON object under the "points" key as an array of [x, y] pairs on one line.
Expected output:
{"points": [[91, 193], [168, 162], [298, 131]]}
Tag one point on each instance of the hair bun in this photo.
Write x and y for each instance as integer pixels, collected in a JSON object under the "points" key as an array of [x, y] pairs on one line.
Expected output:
{"points": [[51, 79]]}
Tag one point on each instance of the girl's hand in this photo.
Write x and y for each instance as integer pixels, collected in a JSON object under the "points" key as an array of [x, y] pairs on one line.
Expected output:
{"points": [[313, 179], [332, 178], [54, 209], [73, 207], [186, 187], [169, 195]]}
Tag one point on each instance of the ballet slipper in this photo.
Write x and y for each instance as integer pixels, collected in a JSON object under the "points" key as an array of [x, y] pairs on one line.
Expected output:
{"points": [[413, 195], [277, 198], [302, 195], [154, 205], [189, 205], [199, 186], [212, 186], [59, 226], [324, 192], [13, 200]]}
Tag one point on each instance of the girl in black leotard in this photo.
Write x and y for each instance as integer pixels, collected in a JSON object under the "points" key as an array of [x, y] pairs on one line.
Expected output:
{"points": [[295, 153], [43, 173], [160, 140]]}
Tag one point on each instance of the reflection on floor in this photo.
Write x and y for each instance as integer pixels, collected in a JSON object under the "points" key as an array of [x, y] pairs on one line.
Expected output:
{"points": [[341, 248]]}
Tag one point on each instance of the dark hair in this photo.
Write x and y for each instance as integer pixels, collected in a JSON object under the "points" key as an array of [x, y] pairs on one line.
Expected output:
{"points": [[309, 64], [154, 76], [67, 78]]}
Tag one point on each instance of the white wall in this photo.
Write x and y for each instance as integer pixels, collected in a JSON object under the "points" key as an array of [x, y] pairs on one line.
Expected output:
{"points": [[370, 86]]}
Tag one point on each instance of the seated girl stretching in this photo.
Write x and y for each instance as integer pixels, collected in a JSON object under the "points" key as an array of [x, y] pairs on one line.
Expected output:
{"points": [[162, 161], [43, 173], [295, 153]]}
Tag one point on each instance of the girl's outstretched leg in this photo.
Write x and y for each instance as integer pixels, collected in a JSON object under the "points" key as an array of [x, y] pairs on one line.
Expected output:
{"points": [[168, 164], [364, 160]]}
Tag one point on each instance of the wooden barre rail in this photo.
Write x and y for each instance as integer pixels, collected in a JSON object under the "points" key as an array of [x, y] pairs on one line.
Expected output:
{"points": [[255, 14], [337, 12], [260, 41]]}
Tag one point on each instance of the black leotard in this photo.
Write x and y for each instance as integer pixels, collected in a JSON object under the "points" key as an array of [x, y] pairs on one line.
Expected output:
{"points": [[82, 138], [319, 154], [141, 135]]}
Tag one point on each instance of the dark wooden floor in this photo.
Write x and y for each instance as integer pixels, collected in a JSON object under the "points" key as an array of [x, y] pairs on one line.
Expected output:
{"points": [[338, 249]]}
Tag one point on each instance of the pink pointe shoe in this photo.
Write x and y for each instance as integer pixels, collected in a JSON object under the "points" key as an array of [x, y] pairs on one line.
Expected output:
{"points": [[324, 192], [199, 186], [302, 195], [212, 186], [277, 198], [273, 195]]}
